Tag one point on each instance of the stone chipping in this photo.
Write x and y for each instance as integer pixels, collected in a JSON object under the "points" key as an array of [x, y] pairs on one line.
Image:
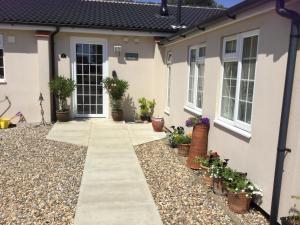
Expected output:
{"points": [[39, 178], [179, 194]]}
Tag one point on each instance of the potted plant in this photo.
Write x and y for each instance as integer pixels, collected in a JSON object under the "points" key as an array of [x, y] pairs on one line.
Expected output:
{"points": [[116, 89], [158, 123], [184, 142], [216, 171], [62, 88], [294, 215], [146, 109], [240, 190], [174, 134], [199, 139]]}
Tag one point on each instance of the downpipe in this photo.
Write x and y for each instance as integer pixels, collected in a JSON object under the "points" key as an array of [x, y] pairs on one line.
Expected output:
{"points": [[286, 105]]}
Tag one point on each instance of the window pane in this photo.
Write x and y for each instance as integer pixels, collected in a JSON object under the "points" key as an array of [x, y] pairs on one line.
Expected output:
{"points": [[230, 47], [247, 78], [202, 52], [199, 101], [229, 90], [192, 75], [1, 73]]}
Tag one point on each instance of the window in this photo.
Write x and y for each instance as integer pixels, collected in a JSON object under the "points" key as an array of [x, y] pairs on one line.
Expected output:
{"points": [[1, 59], [169, 77], [196, 78], [239, 61]]}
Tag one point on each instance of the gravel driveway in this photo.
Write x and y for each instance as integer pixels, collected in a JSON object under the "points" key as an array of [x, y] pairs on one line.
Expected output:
{"points": [[39, 178], [178, 193]]}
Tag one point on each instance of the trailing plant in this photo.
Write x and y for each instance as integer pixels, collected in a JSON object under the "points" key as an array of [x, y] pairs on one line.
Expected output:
{"points": [[116, 89], [237, 182], [193, 121], [146, 107], [62, 88], [174, 136]]}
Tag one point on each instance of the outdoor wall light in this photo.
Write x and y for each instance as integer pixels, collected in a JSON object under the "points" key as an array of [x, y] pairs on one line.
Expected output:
{"points": [[117, 50]]}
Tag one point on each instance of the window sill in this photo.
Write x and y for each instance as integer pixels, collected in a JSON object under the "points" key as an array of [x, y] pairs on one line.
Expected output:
{"points": [[194, 111], [236, 130], [2, 81]]}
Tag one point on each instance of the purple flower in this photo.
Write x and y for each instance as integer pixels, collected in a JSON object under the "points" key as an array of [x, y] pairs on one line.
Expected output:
{"points": [[205, 121], [189, 123]]}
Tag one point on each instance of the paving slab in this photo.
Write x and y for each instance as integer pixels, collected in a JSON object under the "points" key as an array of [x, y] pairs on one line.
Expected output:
{"points": [[113, 190]]}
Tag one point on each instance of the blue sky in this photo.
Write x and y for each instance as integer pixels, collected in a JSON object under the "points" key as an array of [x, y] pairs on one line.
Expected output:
{"points": [[226, 3]]}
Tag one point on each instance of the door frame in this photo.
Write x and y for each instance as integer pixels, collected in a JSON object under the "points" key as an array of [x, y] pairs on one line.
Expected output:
{"points": [[89, 40]]}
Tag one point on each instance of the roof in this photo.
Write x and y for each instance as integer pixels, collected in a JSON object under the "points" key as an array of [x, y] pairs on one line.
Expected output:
{"points": [[230, 13], [99, 14]]}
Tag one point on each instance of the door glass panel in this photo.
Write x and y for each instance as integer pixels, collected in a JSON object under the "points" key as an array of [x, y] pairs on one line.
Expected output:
{"points": [[89, 59]]}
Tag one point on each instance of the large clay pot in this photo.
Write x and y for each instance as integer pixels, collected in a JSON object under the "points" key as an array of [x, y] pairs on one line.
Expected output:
{"points": [[238, 203], [183, 150], [63, 116], [198, 146], [158, 124], [117, 115]]}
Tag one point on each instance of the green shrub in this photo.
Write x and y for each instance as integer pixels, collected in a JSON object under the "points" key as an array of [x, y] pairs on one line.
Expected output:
{"points": [[62, 88], [146, 107], [174, 136]]}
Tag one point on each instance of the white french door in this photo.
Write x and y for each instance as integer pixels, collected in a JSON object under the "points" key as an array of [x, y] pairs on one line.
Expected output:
{"points": [[89, 68]]}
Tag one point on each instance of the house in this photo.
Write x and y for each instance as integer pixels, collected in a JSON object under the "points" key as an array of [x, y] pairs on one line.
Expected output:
{"points": [[229, 65]]}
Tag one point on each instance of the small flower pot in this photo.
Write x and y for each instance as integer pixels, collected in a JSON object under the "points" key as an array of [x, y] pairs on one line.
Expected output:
{"points": [[288, 221], [158, 124], [63, 116], [238, 203], [183, 150], [117, 115], [207, 180], [218, 187]]}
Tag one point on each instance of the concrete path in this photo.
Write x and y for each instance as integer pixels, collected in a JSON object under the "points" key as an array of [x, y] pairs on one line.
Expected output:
{"points": [[113, 189]]}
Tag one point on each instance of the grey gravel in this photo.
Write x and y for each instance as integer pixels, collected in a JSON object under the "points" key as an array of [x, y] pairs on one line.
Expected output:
{"points": [[39, 178], [179, 194]]}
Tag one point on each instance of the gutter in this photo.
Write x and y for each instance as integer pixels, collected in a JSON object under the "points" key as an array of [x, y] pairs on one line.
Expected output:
{"points": [[52, 72], [286, 105], [230, 13]]}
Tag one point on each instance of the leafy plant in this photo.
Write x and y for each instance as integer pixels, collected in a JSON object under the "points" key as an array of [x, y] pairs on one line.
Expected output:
{"points": [[146, 107], [116, 89], [193, 121], [208, 160], [237, 182], [294, 212], [62, 88], [217, 168], [174, 136]]}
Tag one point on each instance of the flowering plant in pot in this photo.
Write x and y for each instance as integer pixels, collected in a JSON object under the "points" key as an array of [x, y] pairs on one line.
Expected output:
{"points": [[183, 142], [116, 89], [146, 108], [62, 88], [240, 190], [173, 136], [216, 171], [294, 214], [199, 139]]}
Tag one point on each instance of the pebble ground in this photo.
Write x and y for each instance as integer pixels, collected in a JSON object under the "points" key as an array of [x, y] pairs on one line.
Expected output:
{"points": [[39, 178], [179, 194]]}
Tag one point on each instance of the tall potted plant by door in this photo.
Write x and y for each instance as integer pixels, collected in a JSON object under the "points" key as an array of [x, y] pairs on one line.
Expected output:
{"points": [[199, 140], [116, 89], [62, 88]]}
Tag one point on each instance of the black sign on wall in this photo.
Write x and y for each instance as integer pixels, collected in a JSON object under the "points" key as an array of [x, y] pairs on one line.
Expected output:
{"points": [[131, 56]]}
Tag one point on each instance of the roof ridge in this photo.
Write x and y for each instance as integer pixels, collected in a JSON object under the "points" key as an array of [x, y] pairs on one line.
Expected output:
{"points": [[139, 2]]}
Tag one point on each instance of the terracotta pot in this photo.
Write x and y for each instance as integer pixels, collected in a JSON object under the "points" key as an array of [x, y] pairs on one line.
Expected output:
{"points": [[218, 186], [158, 124], [183, 150], [117, 115], [238, 203], [63, 116], [207, 180], [198, 145]]}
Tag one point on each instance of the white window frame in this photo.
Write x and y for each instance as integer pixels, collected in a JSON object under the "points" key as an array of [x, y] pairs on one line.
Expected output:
{"points": [[168, 81], [192, 106], [237, 57], [2, 80]]}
